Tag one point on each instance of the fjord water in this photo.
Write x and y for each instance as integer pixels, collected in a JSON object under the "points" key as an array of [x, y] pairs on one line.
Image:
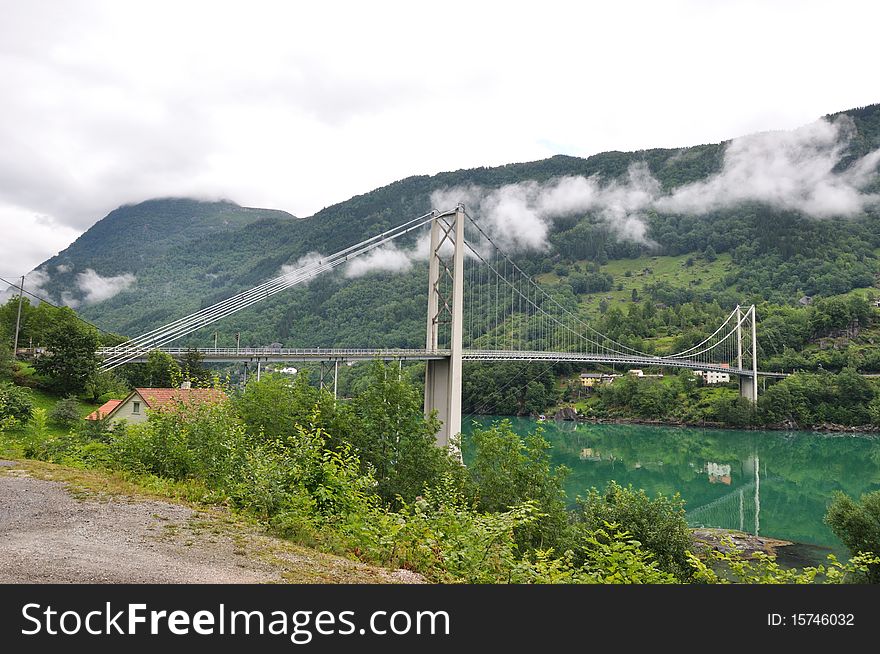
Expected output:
{"points": [[775, 484]]}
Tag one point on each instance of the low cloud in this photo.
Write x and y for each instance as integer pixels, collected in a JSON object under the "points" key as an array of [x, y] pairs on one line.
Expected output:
{"points": [[388, 258], [308, 259], [96, 288], [519, 216], [796, 170], [34, 282]]}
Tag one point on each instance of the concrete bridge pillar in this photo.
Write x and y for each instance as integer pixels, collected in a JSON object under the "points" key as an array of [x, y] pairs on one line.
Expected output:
{"points": [[443, 376], [748, 384]]}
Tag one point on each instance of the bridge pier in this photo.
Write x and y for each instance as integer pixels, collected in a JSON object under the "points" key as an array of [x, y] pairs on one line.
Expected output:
{"points": [[748, 384], [748, 388], [443, 376]]}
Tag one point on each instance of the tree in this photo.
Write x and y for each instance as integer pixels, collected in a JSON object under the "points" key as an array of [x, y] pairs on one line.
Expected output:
{"points": [[394, 439], [709, 254], [70, 361], [508, 470], [273, 407], [162, 370], [7, 363], [66, 412], [857, 525], [659, 524], [16, 403], [194, 371]]}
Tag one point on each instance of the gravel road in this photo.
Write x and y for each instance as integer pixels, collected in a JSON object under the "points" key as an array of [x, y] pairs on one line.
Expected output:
{"points": [[48, 535]]}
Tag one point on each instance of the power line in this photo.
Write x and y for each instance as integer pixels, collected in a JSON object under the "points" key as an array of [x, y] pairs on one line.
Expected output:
{"points": [[52, 304]]}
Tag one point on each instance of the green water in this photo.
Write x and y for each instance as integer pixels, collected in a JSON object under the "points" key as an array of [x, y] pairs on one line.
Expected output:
{"points": [[775, 484]]}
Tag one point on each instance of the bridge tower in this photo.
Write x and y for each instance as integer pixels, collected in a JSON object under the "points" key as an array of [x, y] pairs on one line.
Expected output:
{"points": [[748, 384], [445, 307]]}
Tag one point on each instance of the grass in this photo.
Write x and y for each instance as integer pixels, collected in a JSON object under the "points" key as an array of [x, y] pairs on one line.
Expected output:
{"points": [[639, 273]]}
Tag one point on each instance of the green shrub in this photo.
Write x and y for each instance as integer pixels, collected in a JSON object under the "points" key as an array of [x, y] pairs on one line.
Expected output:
{"points": [[66, 412], [659, 524], [16, 403], [857, 525], [508, 470]]}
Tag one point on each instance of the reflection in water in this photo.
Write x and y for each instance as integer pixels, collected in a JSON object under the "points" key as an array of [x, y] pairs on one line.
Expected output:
{"points": [[774, 483], [729, 511]]}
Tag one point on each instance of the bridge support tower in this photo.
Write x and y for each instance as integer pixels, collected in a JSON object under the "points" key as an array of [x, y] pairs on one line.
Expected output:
{"points": [[748, 383], [445, 307]]}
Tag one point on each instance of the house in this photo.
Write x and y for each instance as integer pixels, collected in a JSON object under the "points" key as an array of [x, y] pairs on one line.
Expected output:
{"points": [[712, 376], [593, 379], [635, 372], [134, 407], [105, 410]]}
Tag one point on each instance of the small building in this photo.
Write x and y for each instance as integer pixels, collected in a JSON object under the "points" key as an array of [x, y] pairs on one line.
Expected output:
{"points": [[134, 407], [594, 379], [105, 410], [635, 372], [713, 376], [591, 379]]}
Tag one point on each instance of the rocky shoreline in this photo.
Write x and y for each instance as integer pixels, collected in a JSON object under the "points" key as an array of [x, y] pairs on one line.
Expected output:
{"points": [[570, 414], [727, 540]]}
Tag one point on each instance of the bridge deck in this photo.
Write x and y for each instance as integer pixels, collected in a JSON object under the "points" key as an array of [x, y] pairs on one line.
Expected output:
{"points": [[284, 355]]}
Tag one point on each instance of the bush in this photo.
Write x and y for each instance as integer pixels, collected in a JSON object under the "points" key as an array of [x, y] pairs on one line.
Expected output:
{"points": [[508, 470], [658, 524], [857, 525], [66, 412], [16, 403]]}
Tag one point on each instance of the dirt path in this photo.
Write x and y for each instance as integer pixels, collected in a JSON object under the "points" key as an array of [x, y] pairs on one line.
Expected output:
{"points": [[51, 534]]}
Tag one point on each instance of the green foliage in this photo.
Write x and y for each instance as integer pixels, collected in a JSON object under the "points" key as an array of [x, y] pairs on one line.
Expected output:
{"points": [[658, 524], [70, 361], [511, 389], [7, 363], [106, 386], [807, 399], [192, 369], [16, 404], [66, 412], [732, 566], [273, 406], [857, 525], [159, 371], [508, 471], [392, 437]]}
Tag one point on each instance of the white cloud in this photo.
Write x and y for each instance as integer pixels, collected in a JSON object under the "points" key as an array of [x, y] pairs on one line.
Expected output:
{"points": [[387, 258], [96, 288], [34, 282], [793, 170]]}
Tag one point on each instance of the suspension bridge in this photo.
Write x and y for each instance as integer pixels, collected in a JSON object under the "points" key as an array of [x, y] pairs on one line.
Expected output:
{"points": [[481, 306]]}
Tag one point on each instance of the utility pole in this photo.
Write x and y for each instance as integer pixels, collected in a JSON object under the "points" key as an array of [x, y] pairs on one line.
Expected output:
{"points": [[18, 318], [237, 342], [215, 340]]}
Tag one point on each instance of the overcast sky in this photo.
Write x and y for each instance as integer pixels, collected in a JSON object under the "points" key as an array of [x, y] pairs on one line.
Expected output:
{"points": [[297, 106]]}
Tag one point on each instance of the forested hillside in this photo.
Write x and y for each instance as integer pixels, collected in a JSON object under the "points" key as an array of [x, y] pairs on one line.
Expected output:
{"points": [[693, 266]]}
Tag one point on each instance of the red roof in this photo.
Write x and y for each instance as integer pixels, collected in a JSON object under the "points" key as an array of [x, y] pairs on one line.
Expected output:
{"points": [[104, 411], [156, 398]]}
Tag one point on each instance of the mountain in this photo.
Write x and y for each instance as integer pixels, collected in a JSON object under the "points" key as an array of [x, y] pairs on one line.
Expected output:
{"points": [[174, 256]]}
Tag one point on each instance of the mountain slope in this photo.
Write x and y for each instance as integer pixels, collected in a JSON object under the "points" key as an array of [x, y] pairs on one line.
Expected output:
{"points": [[186, 255]]}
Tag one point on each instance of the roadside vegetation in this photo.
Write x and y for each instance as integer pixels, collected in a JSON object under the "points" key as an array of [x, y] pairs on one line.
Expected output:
{"points": [[363, 478]]}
